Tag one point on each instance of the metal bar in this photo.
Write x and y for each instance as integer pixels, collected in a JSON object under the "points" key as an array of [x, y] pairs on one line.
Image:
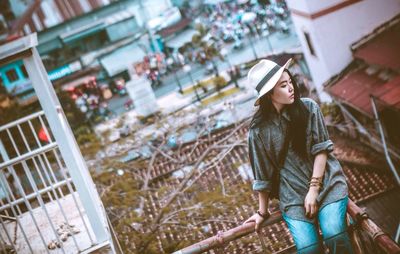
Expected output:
{"points": [[41, 203], [45, 129], [4, 155], [8, 217], [63, 212], [51, 172], [28, 205], [13, 58], [3, 244], [12, 142], [2, 203], [67, 145], [33, 195], [15, 214], [17, 46], [34, 161], [41, 177], [34, 133], [23, 137], [27, 156], [73, 196], [383, 140], [6, 232], [21, 120], [4, 179]]}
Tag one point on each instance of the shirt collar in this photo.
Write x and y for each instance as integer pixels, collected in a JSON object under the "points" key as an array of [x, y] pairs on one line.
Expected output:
{"points": [[275, 115]]}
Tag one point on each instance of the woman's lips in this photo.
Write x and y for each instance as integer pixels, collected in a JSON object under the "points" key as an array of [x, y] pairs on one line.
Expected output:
{"points": [[292, 96]]}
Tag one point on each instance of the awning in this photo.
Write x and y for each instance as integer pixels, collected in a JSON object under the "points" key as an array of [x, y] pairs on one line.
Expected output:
{"points": [[356, 87], [180, 39], [215, 2], [120, 16], [122, 59], [167, 31], [383, 50], [82, 32]]}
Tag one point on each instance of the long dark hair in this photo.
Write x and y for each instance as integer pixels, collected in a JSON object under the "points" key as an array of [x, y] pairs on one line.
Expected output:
{"points": [[298, 114]]}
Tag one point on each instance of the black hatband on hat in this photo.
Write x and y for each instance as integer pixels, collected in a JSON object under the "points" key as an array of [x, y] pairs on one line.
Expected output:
{"points": [[267, 77]]}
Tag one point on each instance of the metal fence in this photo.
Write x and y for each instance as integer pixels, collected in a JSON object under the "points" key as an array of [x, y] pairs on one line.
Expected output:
{"points": [[39, 206], [48, 201]]}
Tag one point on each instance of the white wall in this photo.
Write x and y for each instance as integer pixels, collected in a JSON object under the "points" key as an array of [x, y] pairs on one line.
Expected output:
{"points": [[333, 34]]}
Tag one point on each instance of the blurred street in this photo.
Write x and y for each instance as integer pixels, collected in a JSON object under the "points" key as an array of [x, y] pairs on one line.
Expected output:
{"points": [[127, 126], [280, 43]]}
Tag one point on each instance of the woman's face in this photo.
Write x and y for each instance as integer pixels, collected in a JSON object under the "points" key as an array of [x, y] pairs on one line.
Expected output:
{"points": [[283, 92]]}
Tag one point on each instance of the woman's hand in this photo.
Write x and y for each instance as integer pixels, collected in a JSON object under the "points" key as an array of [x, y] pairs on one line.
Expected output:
{"points": [[310, 202], [257, 219]]}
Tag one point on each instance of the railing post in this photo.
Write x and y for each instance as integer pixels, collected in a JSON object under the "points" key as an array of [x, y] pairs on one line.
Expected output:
{"points": [[67, 145]]}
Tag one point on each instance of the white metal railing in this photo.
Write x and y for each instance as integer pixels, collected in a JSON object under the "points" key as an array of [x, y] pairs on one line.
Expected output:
{"points": [[32, 175], [47, 196]]}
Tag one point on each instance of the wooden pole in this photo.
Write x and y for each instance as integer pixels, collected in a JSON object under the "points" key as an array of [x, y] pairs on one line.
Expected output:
{"points": [[379, 237]]}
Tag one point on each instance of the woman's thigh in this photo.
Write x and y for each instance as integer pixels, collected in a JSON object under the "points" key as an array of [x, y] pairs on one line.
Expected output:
{"points": [[305, 236], [332, 219]]}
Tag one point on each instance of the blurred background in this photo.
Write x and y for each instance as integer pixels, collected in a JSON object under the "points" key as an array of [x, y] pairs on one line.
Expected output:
{"points": [[149, 86]]}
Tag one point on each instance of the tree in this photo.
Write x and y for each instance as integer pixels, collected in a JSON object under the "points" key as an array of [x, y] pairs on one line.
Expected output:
{"points": [[204, 48], [146, 206]]}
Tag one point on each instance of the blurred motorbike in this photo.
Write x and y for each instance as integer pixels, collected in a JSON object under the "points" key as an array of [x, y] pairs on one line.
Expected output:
{"points": [[283, 27], [154, 77]]}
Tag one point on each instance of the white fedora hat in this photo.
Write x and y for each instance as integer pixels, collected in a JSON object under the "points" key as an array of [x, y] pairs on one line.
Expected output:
{"points": [[264, 75]]}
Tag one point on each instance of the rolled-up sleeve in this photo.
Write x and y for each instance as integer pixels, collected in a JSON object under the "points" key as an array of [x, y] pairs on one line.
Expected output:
{"points": [[260, 164], [319, 132]]}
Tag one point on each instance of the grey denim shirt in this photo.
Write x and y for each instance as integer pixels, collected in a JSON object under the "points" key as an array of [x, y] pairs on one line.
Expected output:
{"points": [[265, 144]]}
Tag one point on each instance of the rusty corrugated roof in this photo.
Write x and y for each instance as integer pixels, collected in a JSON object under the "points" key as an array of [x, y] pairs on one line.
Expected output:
{"points": [[356, 87], [382, 50]]}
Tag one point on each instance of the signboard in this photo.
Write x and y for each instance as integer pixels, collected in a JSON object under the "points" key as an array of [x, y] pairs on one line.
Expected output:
{"points": [[65, 70]]}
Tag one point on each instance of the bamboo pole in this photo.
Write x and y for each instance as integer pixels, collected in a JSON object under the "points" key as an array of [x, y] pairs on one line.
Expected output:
{"points": [[220, 239], [379, 237]]}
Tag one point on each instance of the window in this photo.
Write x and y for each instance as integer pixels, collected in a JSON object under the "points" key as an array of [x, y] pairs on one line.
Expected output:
{"points": [[24, 72], [2, 88], [12, 75], [309, 43]]}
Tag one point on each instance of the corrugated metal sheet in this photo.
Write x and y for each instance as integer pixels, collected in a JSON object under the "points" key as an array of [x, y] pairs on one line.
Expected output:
{"points": [[356, 87], [382, 50]]}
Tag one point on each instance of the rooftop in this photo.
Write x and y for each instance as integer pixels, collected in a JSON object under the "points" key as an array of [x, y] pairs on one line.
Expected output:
{"points": [[206, 206]]}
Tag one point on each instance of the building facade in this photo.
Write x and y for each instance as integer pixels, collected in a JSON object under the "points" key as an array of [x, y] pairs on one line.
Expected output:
{"points": [[327, 29], [75, 35]]}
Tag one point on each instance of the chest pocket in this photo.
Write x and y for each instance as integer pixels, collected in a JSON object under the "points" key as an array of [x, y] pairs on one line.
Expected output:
{"points": [[272, 140], [276, 140]]}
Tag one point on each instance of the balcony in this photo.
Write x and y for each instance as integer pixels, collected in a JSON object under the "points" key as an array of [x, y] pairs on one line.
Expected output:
{"points": [[40, 207], [48, 201]]}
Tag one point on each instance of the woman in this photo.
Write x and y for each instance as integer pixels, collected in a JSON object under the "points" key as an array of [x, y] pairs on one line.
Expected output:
{"points": [[291, 159]]}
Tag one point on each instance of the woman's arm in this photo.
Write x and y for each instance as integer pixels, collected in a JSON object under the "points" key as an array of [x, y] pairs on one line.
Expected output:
{"points": [[262, 208], [319, 164], [263, 201], [310, 202]]}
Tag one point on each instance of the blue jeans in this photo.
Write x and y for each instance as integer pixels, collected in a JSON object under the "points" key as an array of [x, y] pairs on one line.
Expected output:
{"points": [[332, 221]]}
